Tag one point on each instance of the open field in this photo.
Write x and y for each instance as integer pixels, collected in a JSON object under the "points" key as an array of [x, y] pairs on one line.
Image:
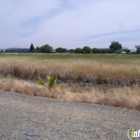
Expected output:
{"points": [[111, 79]]}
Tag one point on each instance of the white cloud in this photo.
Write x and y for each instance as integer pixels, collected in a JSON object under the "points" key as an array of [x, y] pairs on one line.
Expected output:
{"points": [[69, 23]]}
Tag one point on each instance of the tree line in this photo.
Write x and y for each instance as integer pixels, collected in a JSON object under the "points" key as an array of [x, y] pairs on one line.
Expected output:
{"points": [[114, 47], [43, 49]]}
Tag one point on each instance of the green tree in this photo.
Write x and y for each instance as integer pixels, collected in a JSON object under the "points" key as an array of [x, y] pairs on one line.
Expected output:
{"points": [[104, 51], [78, 50], [60, 50], [127, 51], [138, 51], [95, 50], [32, 48], [118, 51], [86, 49], [46, 48], [115, 46], [37, 49], [71, 50]]}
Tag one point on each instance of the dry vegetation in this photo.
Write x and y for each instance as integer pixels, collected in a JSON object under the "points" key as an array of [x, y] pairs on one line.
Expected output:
{"points": [[110, 81]]}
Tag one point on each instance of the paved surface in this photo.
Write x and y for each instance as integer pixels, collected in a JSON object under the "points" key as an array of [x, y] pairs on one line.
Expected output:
{"points": [[52, 119]]}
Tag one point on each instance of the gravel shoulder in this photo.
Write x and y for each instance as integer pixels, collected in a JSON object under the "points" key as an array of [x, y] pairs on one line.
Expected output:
{"points": [[53, 119]]}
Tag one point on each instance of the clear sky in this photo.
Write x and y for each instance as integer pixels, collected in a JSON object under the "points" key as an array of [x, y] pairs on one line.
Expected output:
{"points": [[69, 23]]}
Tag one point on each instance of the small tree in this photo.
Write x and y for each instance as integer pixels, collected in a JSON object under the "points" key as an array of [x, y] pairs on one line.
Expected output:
{"points": [[86, 49], [115, 46], [32, 48], [60, 50], [127, 51], [104, 51], [118, 51], [71, 50], [138, 51], [95, 50], [78, 50], [46, 48], [37, 49]]}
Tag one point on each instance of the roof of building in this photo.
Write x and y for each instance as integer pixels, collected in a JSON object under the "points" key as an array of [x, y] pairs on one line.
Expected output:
{"points": [[137, 46]]}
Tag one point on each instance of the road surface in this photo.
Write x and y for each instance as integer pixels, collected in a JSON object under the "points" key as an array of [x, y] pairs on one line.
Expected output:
{"points": [[24, 117]]}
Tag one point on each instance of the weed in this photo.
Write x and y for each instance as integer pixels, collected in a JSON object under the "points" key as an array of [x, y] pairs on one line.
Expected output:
{"points": [[101, 79], [50, 82], [62, 86], [120, 97]]}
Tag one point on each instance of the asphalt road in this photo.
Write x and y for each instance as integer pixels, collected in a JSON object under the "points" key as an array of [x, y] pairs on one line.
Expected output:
{"points": [[51, 119]]}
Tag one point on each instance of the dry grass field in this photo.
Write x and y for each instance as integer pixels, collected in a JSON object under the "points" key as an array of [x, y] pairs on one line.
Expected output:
{"points": [[110, 79]]}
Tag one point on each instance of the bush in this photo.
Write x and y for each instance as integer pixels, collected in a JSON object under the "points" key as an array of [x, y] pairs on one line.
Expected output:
{"points": [[101, 79], [127, 51], [50, 80], [138, 51], [71, 50], [86, 49], [104, 51], [46, 48], [60, 50], [95, 50], [78, 50], [118, 51]]}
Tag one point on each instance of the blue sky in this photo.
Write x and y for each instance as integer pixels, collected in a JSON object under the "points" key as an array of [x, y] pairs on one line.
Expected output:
{"points": [[69, 23]]}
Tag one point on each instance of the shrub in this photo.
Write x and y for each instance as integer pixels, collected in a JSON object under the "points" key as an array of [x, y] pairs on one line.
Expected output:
{"points": [[86, 49], [104, 51], [118, 51], [138, 51], [50, 80], [71, 50], [95, 50], [78, 50], [61, 50], [127, 51], [101, 79], [46, 48]]}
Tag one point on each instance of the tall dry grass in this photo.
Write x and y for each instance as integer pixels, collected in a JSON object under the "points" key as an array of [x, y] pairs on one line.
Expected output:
{"points": [[125, 97], [20, 74], [89, 70]]}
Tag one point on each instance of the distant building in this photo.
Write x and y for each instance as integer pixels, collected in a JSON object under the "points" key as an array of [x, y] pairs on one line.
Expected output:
{"points": [[138, 48], [17, 50], [133, 50]]}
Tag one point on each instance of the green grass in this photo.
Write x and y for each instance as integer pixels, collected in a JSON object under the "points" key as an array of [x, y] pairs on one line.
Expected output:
{"points": [[76, 56]]}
